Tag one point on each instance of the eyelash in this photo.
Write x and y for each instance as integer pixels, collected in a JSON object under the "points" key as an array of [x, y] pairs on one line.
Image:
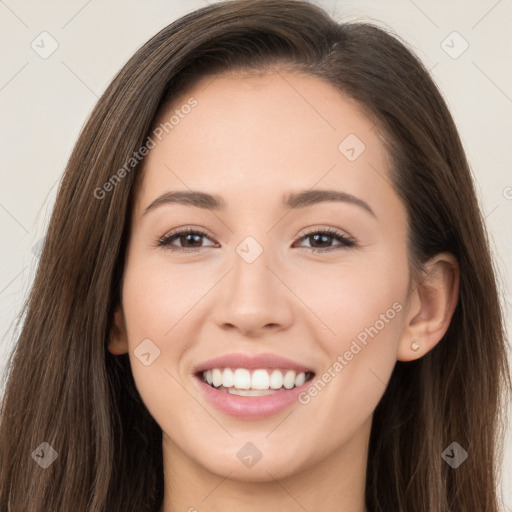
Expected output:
{"points": [[165, 241]]}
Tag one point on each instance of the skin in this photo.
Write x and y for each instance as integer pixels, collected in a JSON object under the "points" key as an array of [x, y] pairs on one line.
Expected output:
{"points": [[253, 139]]}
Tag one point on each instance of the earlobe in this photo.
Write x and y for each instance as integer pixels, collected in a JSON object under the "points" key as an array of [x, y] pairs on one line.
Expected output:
{"points": [[118, 343], [432, 304]]}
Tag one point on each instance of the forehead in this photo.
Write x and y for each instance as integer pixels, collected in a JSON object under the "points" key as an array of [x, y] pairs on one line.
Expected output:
{"points": [[258, 136]]}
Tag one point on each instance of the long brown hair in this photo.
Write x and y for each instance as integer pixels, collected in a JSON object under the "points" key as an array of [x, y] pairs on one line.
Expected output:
{"points": [[63, 386]]}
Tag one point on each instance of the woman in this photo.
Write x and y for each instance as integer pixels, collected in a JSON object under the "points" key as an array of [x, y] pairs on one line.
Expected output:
{"points": [[266, 285]]}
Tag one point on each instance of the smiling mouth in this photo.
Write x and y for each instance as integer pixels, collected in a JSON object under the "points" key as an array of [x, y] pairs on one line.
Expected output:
{"points": [[259, 382]]}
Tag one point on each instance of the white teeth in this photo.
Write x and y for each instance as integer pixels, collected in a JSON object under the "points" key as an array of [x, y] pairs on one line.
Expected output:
{"points": [[261, 380], [242, 379], [250, 392], [289, 379], [217, 377], [300, 379], [276, 379], [228, 378]]}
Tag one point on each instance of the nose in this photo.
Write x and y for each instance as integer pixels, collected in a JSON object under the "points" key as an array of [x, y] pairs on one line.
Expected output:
{"points": [[255, 299]]}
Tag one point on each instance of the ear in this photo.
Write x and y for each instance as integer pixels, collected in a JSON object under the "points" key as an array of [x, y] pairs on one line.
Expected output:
{"points": [[118, 338], [430, 307]]}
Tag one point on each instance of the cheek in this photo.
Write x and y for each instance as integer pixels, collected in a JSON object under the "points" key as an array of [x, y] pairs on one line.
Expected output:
{"points": [[356, 295], [155, 297], [154, 307], [362, 307]]}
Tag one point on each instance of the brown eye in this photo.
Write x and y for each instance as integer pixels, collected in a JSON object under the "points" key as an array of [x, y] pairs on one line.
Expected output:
{"points": [[190, 239], [320, 240]]}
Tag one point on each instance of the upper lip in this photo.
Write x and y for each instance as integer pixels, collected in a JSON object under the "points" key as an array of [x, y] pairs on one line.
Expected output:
{"points": [[251, 362]]}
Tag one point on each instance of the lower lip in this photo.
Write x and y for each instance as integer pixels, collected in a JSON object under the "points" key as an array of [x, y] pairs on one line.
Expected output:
{"points": [[250, 407]]}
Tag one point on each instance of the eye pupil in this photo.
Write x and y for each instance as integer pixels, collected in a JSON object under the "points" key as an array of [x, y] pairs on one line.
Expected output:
{"points": [[189, 237], [316, 236]]}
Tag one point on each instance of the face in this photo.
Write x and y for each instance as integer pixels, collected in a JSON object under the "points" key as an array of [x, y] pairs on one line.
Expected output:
{"points": [[275, 286]]}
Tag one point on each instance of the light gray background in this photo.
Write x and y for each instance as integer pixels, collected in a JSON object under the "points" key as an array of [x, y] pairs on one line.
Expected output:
{"points": [[45, 101]]}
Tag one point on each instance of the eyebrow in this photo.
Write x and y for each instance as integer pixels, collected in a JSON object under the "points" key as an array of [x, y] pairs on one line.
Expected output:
{"points": [[292, 201]]}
